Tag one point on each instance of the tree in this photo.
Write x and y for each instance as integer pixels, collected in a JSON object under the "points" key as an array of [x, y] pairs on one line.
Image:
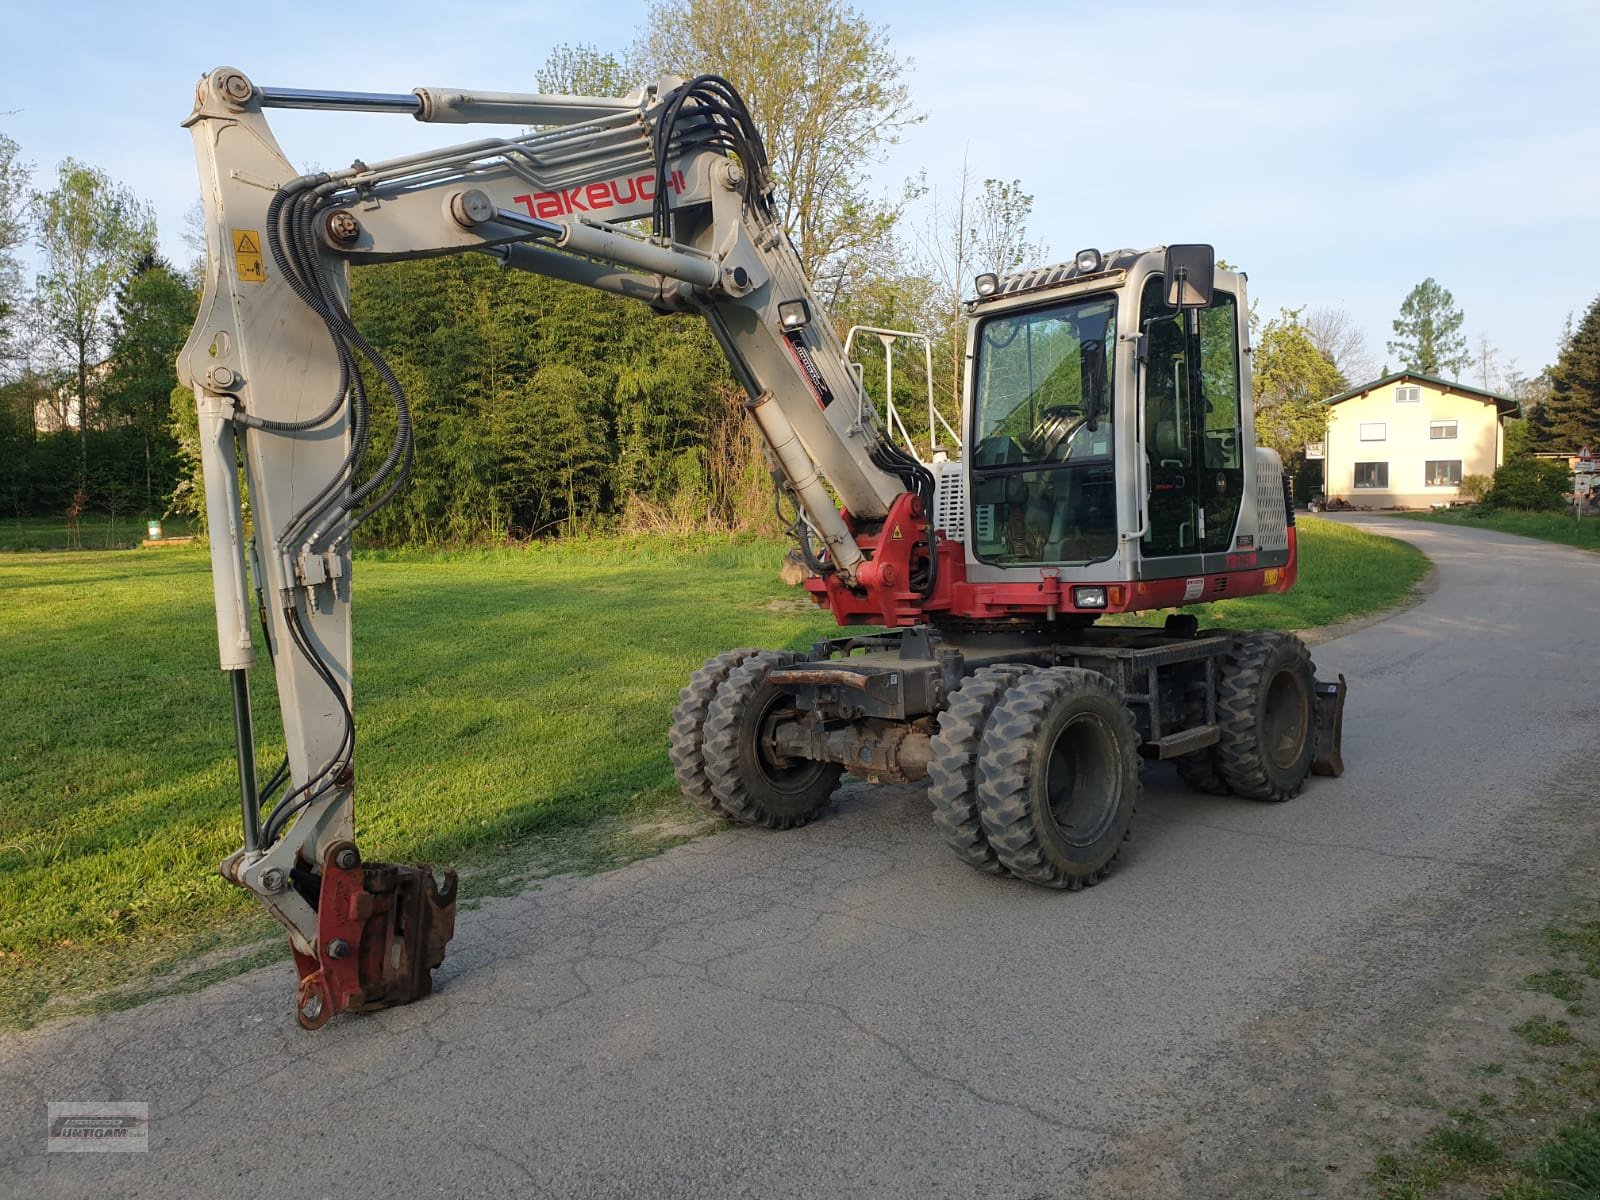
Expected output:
{"points": [[15, 176], [1339, 338], [584, 70], [1427, 333], [154, 309], [92, 232], [999, 236], [1569, 416], [826, 93], [968, 231], [1487, 359], [1292, 379]]}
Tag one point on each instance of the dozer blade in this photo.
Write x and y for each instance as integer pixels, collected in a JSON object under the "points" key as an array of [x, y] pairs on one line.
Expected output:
{"points": [[1327, 760], [381, 932]]}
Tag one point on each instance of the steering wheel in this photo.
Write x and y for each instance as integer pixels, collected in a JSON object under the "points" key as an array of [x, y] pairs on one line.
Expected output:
{"points": [[1055, 425]]}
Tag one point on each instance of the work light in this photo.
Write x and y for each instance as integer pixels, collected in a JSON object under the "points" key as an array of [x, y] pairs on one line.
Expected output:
{"points": [[794, 314]]}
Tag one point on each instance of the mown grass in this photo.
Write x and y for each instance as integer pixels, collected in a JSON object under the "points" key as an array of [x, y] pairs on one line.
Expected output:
{"points": [[1544, 1142], [96, 531], [512, 707], [1583, 532]]}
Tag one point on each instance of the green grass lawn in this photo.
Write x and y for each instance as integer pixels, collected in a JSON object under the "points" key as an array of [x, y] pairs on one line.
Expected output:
{"points": [[1583, 532], [512, 709], [95, 531]]}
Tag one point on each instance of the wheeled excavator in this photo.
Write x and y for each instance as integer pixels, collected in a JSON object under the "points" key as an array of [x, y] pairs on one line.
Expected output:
{"points": [[1108, 465]]}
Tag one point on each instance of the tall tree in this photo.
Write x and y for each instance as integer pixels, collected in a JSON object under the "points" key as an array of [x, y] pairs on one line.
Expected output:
{"points": [[92, 232], [1335, 333], [1487, 361], [1292, 378], [969, 230], [15, 178], [999, 237], [945, 240], [828, 96], [1427, 333], [1569, 416], [154, 309]]}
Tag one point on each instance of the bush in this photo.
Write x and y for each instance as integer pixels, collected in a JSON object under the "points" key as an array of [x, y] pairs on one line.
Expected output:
{"points": [[1476, 487], [1531, 484]]}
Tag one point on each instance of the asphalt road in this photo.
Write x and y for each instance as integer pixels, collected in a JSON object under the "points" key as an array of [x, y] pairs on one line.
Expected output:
{"points": [[845, 1010]]}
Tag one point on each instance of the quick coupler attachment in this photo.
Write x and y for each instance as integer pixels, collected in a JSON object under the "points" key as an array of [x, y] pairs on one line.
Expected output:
{"points": [[1326, 759], [381, 932]]}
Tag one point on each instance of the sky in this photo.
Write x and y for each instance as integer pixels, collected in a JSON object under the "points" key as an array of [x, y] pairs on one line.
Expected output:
{"points": [[1339, 152]]}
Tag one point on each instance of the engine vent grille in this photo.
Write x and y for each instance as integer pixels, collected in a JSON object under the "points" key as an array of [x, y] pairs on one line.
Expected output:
{"points": [[1272, 515], [950, 500]]}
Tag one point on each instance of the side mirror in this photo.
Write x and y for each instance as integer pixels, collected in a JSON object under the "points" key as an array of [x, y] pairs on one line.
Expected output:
{"points": [[1190, 271]]}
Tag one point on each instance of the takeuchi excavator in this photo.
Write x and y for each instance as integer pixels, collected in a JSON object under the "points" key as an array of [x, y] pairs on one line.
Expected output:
{"points": [[1105, 463]]}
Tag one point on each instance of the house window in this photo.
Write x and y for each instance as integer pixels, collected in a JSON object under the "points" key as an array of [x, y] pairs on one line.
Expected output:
{"points": [[1374, 431], [1407, 395], [1441, 429], [1444, 473], [1374, 475]]}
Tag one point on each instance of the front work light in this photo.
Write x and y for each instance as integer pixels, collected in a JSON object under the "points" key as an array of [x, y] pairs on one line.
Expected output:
{"points": [[794, 314], [1088, 261], [1089, 597], [987, 284]]}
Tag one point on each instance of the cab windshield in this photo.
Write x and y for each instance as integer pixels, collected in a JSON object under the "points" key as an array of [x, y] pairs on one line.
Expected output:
{"points": [[1043, 482]]}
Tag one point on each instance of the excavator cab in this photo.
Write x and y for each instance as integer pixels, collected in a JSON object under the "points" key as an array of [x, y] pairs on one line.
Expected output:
{"points": [[1110, 435]]}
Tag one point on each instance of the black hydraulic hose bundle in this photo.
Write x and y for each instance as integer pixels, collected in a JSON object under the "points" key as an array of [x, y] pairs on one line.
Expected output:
{"points": [[295, 248], [726, 125], [293, 243], [334, 772], [717, 104]]}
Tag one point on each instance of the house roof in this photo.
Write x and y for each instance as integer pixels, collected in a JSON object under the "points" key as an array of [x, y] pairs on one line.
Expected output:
{"points": [[1505, 404]]}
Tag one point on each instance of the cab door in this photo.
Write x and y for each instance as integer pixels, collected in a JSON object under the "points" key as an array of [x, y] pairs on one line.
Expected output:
{"points": [[1193, 443]]}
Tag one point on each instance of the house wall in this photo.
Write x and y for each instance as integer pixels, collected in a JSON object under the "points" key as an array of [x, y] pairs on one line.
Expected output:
{"points": [[1407, 445]]}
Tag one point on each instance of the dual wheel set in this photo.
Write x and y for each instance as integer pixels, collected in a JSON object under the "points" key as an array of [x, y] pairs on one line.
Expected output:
{"points": [[1033, 771]]}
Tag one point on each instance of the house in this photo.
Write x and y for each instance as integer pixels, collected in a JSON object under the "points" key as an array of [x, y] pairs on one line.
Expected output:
{"points": [[1407, 440]]}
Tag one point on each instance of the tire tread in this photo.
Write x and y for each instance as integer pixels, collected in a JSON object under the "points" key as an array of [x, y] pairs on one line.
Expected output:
{"points": [[1005, 765]]}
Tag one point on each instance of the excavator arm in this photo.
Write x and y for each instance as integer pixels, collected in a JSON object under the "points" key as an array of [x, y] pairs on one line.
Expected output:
{"points": [[286, 386]]}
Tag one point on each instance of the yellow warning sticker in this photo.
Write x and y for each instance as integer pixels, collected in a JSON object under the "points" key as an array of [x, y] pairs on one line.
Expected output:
{"points": [[896, 535], [247, 255]]}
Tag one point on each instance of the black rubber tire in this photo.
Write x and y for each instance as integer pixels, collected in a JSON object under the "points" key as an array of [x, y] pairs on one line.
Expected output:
{"points": [[1201, 770], [953, 765], [1266, 701], [749, 786], [686, 736], [1059, 739]]}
